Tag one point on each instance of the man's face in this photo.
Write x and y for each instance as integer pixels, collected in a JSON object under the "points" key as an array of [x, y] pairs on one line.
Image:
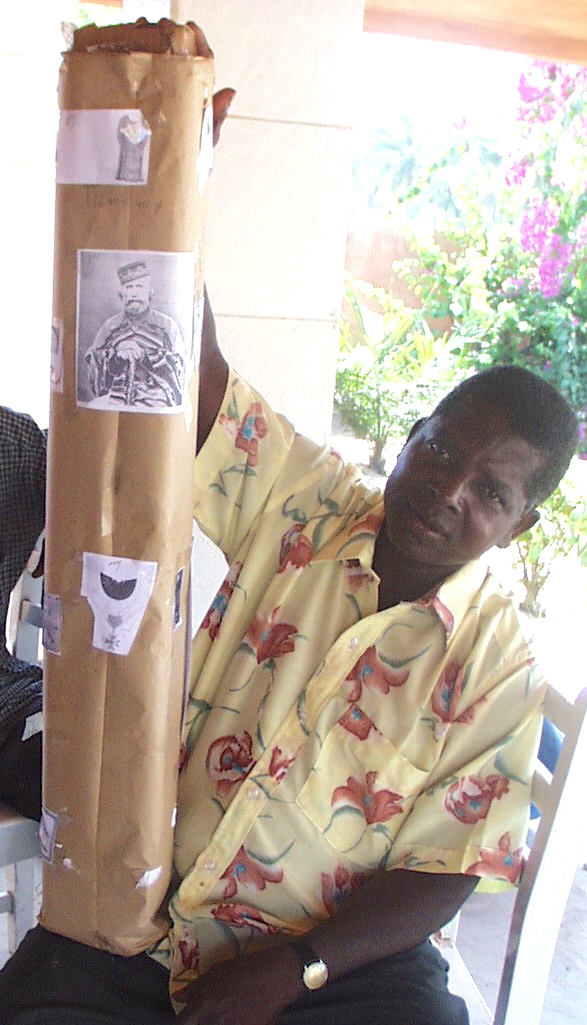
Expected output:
{"points": [[460, 487], [136, 295]]}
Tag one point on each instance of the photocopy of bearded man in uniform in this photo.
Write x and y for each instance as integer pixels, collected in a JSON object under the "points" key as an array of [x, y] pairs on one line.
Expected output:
{"points": [[137, 356]]}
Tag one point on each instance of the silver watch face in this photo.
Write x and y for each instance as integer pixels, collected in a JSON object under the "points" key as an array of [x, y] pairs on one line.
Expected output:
{"points": [[315, 974]]}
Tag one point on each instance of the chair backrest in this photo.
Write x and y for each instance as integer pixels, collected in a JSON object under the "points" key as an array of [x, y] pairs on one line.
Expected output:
{"points": [[25, 621], [550, 867]]}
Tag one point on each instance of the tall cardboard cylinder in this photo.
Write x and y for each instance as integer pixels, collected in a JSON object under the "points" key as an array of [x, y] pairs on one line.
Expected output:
{"points": [[121, 445]]}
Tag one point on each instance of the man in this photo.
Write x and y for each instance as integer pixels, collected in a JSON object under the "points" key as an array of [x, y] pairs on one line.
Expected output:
{"points": [[137, 357], [363, 716]]}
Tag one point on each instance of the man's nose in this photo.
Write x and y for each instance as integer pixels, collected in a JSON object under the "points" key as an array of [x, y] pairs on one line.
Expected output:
{"points": [[450, 489]]}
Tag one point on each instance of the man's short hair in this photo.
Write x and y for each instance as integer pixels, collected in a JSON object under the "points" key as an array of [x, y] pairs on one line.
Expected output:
{"points": [[534, 409]]}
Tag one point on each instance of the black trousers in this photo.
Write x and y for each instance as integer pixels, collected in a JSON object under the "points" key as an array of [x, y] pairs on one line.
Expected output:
{"points": [[56, 981]]}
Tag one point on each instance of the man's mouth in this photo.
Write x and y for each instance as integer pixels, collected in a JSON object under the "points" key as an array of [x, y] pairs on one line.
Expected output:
{"points": [[425, 523]]}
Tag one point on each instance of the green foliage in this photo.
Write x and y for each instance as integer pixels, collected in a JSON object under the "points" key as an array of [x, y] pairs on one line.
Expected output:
{"points": [[560, 532], [98, 14], [391, 368], [507, 264], [515, 283]]}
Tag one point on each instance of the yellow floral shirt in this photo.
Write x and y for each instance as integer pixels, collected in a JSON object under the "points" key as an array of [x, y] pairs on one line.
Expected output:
{"points": [[325, 740]]}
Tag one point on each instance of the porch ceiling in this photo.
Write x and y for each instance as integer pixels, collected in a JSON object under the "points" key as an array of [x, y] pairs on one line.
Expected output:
{"points": [[555, 29]]}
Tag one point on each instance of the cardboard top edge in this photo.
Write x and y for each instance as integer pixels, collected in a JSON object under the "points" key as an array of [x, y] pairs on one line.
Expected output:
{"points": [[141, 37]]}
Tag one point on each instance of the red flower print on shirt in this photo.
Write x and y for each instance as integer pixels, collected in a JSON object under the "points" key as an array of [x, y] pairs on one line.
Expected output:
{"points": [[502, 864], [270, 639], [240, 916], [215, 613], [279, 763], [376, 805], [355, 575], [190, 954], [229, 760], [248, 433], [370, 524], [432, 601], [357, 722], [295, 549], [245, 871], [336, 887], [469, 799], [369, 671]]}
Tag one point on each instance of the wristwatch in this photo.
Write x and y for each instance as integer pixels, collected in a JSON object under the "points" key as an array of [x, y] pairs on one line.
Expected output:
{"points": [[314, 969]]}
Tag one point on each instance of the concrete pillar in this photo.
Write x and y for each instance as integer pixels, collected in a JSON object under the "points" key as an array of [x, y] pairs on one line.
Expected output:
{"points": [[278, 197]]}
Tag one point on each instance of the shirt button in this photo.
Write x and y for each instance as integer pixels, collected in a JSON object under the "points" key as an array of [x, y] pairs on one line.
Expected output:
{"points": [[353, 642], [254, 793], [209, 866]]}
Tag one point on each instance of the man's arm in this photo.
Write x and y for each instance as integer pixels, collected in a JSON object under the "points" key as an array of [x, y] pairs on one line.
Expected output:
{"points": [[213, 376], [394, 911], [213, 366]]}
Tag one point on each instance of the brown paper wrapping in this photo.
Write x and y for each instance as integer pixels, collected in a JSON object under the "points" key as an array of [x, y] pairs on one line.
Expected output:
{"points": [[119, 485]]}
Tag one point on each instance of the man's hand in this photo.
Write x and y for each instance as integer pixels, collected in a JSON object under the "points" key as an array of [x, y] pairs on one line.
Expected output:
{"points": [[129, 351], [252, 990]]}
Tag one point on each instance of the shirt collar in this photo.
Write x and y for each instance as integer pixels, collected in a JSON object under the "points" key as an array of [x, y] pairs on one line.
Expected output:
{"points": [[452, 600]]}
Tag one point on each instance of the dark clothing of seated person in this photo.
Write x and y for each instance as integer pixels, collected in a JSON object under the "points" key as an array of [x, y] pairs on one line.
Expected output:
{"points": [[22, 518]]}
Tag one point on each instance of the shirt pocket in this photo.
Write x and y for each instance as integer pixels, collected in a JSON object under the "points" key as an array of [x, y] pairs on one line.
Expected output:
{"points": [[360, 790]]}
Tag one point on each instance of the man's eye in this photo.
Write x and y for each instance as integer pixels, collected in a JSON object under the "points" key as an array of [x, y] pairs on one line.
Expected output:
{"points": [[491, 494], [439, 449]]}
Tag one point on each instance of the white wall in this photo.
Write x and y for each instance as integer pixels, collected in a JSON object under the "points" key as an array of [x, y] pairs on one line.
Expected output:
{"points": [[278, 203], [29, 64]]}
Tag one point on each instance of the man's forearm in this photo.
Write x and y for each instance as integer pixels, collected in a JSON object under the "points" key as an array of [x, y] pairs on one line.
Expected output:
{"points": [[394, 911]]}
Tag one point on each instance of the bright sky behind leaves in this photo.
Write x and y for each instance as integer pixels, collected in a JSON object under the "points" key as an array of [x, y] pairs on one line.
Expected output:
{"points": [[438, 84]]}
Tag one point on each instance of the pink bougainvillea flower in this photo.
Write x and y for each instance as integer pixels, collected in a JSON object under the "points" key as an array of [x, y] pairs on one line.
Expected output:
{"points": [[369, 671], [229, 760], [240, 916], [246, 871], [270, 639], [247, 434], [336, 887], [376, 805], [501, 864], [469, 799], [295, 548]]}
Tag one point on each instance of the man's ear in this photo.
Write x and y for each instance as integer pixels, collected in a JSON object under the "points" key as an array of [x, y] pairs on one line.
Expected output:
{"points": [[220, 104], [526, 522]]}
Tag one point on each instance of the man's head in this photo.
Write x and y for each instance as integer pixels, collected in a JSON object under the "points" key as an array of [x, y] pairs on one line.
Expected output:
{"points": [[471, 474], [534, 410], [135, 288]]}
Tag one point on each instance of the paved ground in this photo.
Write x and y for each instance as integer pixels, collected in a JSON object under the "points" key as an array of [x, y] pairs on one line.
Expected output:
{"points": [[481, 940]]}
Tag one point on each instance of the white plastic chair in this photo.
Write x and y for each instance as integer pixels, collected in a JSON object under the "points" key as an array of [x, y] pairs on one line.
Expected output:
{"points": [[545, 884]]}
